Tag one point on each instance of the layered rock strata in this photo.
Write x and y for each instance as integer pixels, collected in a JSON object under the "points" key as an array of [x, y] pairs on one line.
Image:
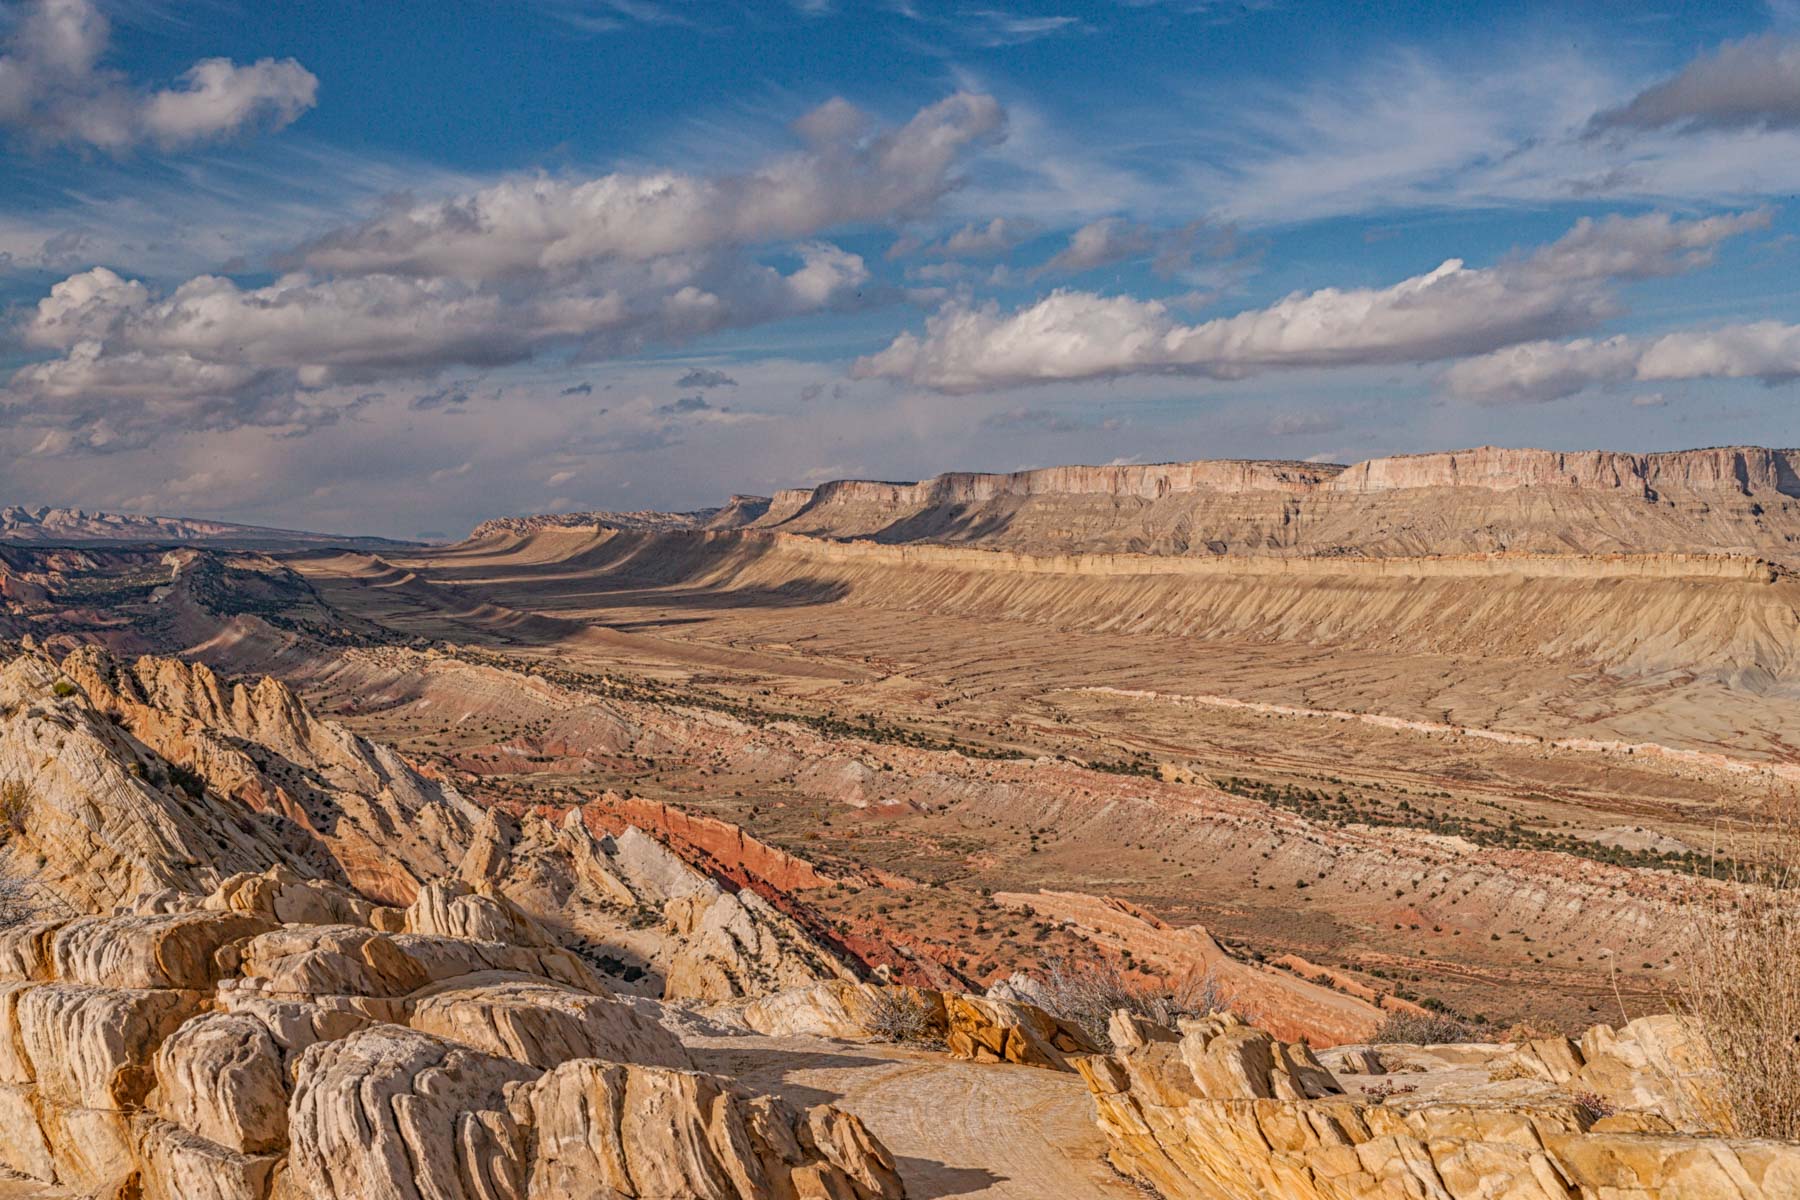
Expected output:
{"points": [[1221, 1111]]}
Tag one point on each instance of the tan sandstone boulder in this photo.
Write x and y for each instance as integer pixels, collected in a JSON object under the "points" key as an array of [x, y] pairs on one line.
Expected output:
{"points": [[608, 1131], [540, 1023]]}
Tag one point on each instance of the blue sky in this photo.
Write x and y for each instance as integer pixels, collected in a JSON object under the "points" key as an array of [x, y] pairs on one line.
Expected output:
{"points": [[399, 267]]}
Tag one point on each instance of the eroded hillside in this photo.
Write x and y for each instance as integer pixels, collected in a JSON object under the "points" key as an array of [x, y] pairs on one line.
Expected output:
{"points": [[711, 789]]}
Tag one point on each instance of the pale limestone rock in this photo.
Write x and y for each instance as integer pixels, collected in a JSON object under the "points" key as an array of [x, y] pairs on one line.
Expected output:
{"points": [[837, 1009], [90, 1047], [453, 909], [395, 1114], [304, 961], [1002, 1031], [23, 1148], [25, 950], [541, 1024], [1657, 1063], [93, 1149], [296, 1024], [15, 1064], [220, 1076], [442, 958], [95, 834], [731, 945], [653, 872], [1222, 1111], [176, 1165], [175, 950], [605, 1130], [290, 899]]}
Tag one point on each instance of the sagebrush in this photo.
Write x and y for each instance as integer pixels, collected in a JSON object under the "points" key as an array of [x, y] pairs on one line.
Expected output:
{"points": [[1425, 1029], [897, 1015], [1087, 992]]}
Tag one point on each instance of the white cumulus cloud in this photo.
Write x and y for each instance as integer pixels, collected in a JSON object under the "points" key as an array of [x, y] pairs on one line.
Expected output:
{"points": [[493, 277], [53, 88], [1449, 312], [1747, 84], [1540, 371]]}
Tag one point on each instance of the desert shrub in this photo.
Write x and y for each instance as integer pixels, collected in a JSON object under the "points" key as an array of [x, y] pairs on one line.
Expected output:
{"points": [[20, 902], [1087, 992], [1593, 1106], [1741, 977], [1424, 1029], [896, 1015], [188, 780], [64, 688], [15, 802]]}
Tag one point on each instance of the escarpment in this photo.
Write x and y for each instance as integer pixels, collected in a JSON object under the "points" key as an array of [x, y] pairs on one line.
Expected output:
{"points": [[1746, 499]]}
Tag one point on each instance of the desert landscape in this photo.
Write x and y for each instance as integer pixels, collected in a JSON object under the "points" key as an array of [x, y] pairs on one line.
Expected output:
{"points": [[899, 600], [1062, 833]]}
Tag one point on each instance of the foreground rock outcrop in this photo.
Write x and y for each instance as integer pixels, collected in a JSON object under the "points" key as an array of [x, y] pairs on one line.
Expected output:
{"points": [[276, 962], [223, 1055], [1221, 1111]]}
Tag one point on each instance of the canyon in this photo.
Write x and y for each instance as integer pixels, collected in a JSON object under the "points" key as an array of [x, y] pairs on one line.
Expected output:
{"points": [[770, 831]]}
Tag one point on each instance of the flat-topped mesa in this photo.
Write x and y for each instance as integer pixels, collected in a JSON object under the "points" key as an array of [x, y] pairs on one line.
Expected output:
{"points": [[1144, 481], [1741, 500], [76, 526], [738, 512], [1744, 470], [643, 520]]}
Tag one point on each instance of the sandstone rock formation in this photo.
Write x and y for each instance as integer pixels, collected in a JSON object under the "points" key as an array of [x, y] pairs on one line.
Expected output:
{"points": [[212, 1053], [979, 1028], [630, 892], [1220, 1111], [1290, 1007], [156, 783]]}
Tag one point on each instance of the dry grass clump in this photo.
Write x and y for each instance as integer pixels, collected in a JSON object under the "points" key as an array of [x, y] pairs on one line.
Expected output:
{"points": [[15, 802], [1741, 982], [20, 903], [1424, 1029], [896, 1015], [1086, 994]]}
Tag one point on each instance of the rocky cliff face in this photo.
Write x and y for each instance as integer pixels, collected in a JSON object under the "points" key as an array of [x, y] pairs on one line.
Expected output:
{"points": [[1731, 470], [274, 962], [1481, 500], [1219, 1111]]}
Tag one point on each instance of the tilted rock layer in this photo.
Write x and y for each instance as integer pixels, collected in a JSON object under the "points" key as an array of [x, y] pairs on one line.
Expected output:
{"points": [[1220, 1111]]}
